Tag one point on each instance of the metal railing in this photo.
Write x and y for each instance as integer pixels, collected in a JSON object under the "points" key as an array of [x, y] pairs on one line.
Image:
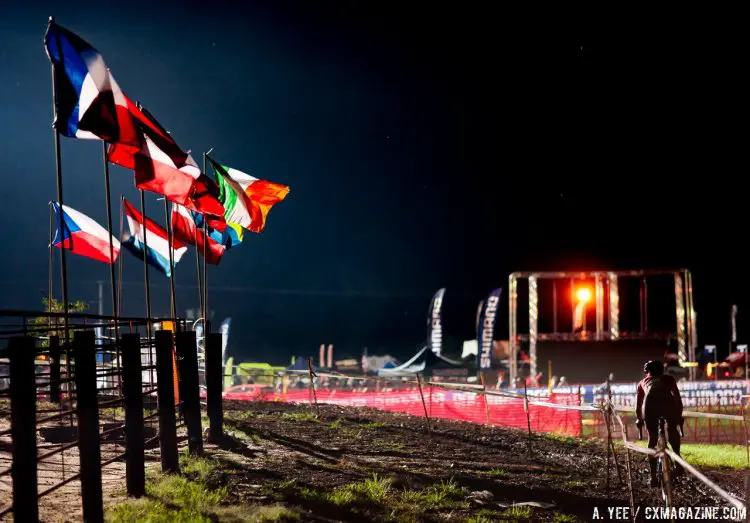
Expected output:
{"points": [[78, 404]]}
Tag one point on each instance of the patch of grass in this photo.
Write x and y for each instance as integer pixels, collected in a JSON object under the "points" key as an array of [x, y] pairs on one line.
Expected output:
{"points": [[145, 509], [377, 493], [151, 511], [256, 514], [574, 483], [299, 416], [561, 438], [441, 495], [238, 434], [485, 515], [374, 425], [715, 455], [497, 473], [341, 496], [711, 454], [242, 415], [182, 492], [516, 513], [174, 498], [336, 424], [374, 489], [278, 489], [196, 469], [560, 517]]}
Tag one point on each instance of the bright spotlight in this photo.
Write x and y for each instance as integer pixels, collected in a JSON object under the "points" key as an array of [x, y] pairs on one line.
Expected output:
{"points": [[583, 295]]}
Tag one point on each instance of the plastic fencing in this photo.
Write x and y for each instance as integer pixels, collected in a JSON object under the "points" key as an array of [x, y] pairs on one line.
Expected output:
{"points": [[556, 413]]}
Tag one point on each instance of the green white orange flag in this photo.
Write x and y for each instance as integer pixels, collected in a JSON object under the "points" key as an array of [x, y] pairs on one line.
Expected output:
{"points": [[246, 199]]}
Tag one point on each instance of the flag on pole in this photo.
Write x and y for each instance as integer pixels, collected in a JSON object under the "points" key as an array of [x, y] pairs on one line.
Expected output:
{"points": [[90, 103], [83, 236], [147, 127], [184, 229], [156, 238], [162, 167], [246, 199]]}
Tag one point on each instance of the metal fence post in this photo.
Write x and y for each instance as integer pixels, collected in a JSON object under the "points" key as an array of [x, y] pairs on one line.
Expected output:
{"points": [[87, 407], [165, 392], [23, 428], [54, 369], [135, 471], [187, 350], [214, 378]]}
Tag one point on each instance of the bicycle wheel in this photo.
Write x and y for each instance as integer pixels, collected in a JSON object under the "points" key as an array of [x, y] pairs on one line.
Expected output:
{"points": [[664, 470]]}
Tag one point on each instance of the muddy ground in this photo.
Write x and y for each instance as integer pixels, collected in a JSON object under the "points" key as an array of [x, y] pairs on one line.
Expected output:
{"points": [[284, 453], [292, 457]]}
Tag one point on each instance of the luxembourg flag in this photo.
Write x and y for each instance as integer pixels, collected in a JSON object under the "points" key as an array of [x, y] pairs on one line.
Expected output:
{"points": [[156, 238], [83, 236], [90, 104]]}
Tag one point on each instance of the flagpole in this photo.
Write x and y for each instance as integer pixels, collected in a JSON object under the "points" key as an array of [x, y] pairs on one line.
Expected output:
{"points": [[51, 269], [145, 268], [58, 169], [171, 260], [206, 322], [111, 246], [119, 263], [198, 274]]}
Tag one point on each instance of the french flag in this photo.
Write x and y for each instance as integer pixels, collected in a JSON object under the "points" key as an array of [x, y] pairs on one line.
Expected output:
{"points": [[155, 248], [83, 236], [90, 103]]}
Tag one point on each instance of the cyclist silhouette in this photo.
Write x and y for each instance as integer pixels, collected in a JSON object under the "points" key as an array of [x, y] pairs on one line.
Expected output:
{"points": [[659, 397]]}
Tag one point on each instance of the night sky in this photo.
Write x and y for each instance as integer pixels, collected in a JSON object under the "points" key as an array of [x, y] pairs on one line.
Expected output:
{"points": [[439, 147]]}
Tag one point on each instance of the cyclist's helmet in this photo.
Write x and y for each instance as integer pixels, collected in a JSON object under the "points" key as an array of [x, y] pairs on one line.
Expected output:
{"points": [[654, 367]]}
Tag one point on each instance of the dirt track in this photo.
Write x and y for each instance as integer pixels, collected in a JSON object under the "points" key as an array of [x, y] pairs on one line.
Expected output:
{"points": [[283, 453], [346, 445]]}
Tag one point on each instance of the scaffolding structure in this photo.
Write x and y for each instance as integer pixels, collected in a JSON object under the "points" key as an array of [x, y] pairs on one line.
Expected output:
{"points": [[606, 283]]}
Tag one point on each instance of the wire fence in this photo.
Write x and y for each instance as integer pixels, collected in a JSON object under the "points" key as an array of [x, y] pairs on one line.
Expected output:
{"points": [[557, 413]]}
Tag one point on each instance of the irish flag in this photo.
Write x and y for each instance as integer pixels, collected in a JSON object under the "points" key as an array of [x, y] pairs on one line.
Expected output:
{"points": [[246, 199]]}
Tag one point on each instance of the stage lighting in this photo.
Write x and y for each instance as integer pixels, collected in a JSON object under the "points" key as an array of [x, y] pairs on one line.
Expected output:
{"points": [[583, 295]]}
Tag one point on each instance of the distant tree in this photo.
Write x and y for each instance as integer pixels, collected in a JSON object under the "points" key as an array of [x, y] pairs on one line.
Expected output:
{"points": [[56, 325]]}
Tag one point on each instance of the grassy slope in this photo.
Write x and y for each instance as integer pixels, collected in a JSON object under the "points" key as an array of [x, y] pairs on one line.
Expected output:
{"points": [[712, 455], [187, 498]]}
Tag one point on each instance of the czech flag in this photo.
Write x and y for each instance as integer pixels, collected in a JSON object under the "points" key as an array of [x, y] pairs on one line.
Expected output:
{"points": [[83, 236], [90, 104], [154, 245]]}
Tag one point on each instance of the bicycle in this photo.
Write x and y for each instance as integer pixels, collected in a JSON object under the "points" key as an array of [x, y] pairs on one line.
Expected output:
{"points": [[664, 464]]}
